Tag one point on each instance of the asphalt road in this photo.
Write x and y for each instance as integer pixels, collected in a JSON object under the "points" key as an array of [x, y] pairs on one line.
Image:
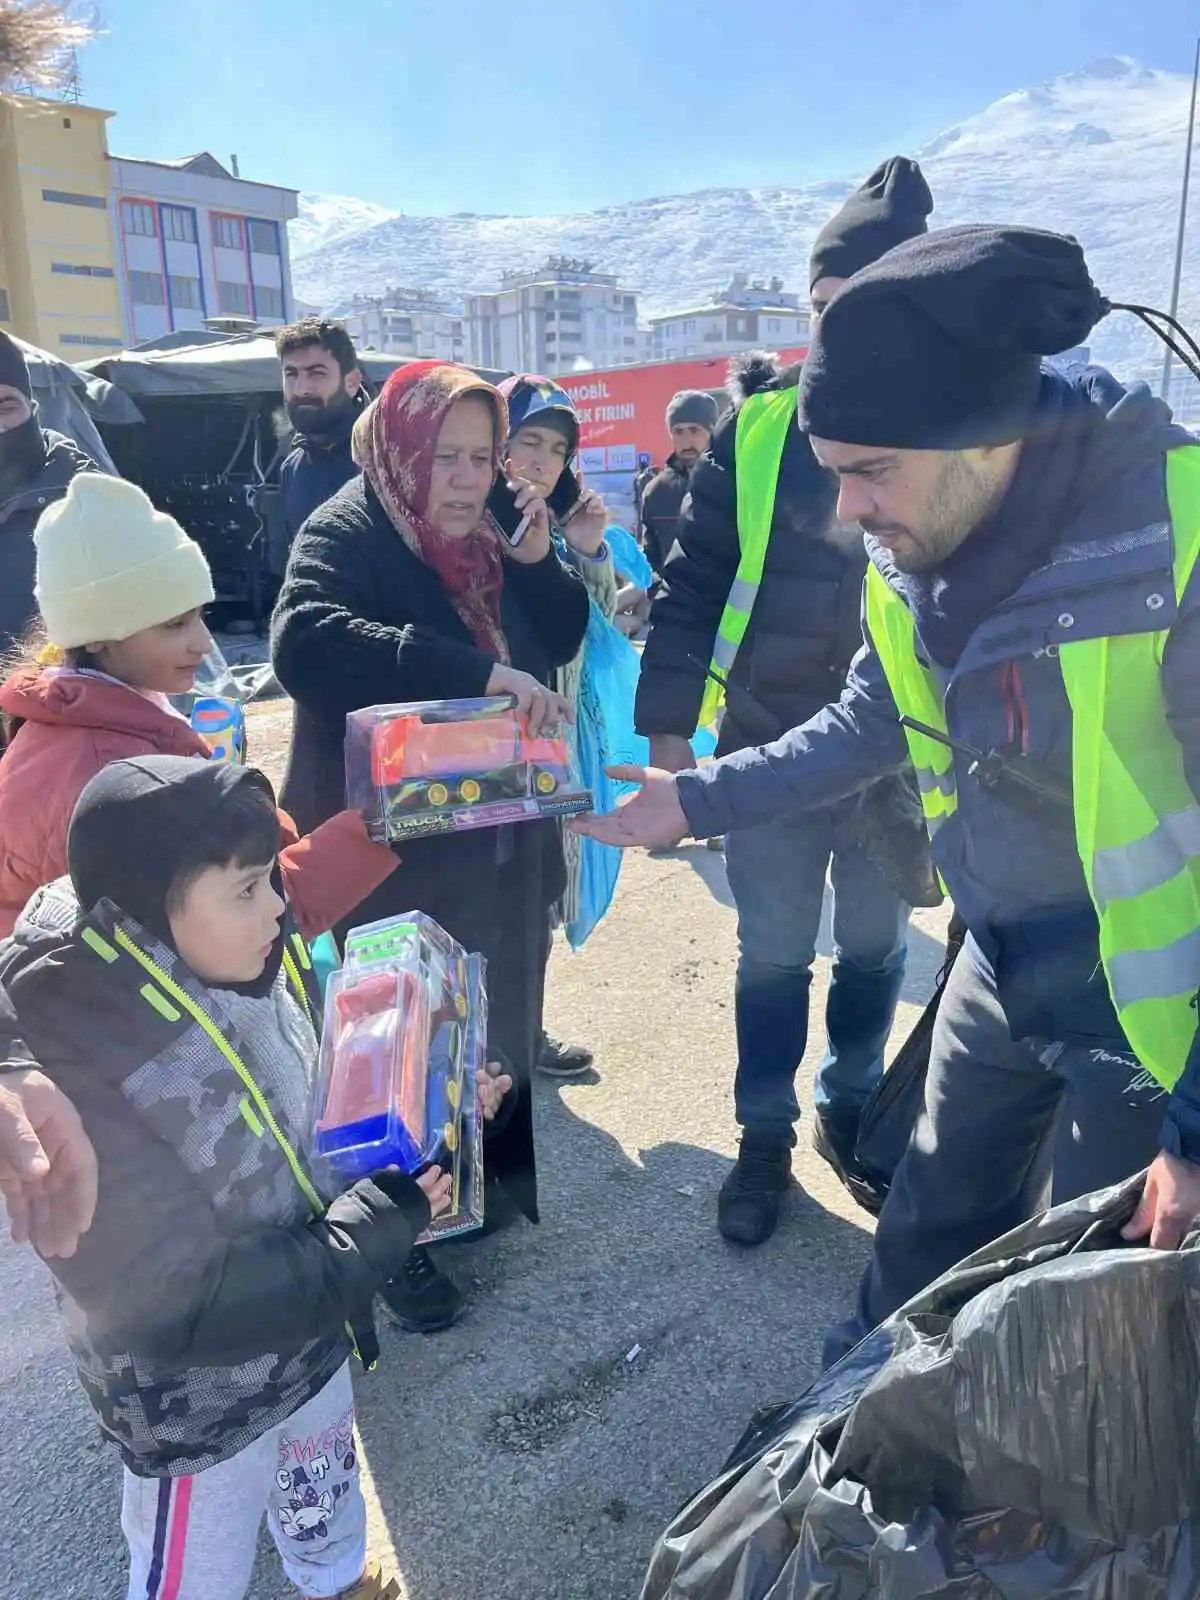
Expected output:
{"points": [[611, 1356]]}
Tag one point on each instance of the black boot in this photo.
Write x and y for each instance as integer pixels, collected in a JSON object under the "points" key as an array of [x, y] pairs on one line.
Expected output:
{"points": [[422, 1299], [748, 1204], [558, 1060], [835, 1140]]}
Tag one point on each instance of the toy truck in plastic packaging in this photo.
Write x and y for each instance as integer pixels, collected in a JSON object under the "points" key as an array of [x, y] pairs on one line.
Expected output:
{"points": [[440, 766], [403, 1043]]}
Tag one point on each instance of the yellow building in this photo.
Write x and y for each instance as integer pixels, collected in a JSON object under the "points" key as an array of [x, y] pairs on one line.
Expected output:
{"points": [[58, 284]]}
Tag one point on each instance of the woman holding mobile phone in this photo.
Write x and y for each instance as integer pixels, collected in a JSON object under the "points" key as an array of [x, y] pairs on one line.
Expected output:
{"points": [[400, 588]]}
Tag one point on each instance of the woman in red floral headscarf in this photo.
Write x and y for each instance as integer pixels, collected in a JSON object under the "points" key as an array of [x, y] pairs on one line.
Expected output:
{"points": [[398, 589]]}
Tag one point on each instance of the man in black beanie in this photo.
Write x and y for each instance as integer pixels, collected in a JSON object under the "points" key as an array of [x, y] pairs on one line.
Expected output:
{"points": [[691, 418], [1032, 613], [766, 587], [36, 466]]}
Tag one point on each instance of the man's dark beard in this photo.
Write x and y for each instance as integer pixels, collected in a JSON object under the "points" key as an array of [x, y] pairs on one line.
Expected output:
{"points": [[323, 421], [22, 456]]}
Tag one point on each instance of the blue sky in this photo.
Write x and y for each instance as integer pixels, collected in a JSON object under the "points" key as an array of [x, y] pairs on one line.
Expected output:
{"points": [[534, 107]]}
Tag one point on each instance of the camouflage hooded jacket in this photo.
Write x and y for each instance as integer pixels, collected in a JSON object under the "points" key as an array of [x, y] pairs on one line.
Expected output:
{"points": [[209, 1299]]}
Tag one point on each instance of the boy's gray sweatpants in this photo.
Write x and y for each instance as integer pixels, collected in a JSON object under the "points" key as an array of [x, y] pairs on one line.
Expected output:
{"points": [[195, 1538]]}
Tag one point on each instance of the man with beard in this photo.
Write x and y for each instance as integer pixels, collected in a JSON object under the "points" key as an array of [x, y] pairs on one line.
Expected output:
{"points": [[766, 586], [1031, 642], [691, 418], [323, 392], [36, 467]]}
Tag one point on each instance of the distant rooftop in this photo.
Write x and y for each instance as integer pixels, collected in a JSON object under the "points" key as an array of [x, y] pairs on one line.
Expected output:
{"points": [[204, 165]]}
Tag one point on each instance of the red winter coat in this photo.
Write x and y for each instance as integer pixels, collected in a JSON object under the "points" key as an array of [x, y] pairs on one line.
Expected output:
{"points": [[73, 725]]}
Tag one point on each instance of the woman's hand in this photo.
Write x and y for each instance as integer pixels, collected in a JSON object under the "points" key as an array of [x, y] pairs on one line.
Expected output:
{"points": [[535, 545], [544, 710], [492, 1084], [437, 1187], [584, 529]]}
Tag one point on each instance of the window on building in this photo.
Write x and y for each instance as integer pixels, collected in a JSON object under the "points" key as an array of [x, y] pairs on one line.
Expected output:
{"points": [[146, 289], [264, 236], [185, 293], [4, 313], [774, 325], [71, 269], [227, 232], [630, 303], [179, 223], [570, 316], [269, 301], [551, 338], [629, 339], [91, 339], [63, 197], [233, 299], [139, 218]]}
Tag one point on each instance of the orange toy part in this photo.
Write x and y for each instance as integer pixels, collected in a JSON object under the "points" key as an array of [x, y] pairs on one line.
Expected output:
{"points": [[407, 748]]}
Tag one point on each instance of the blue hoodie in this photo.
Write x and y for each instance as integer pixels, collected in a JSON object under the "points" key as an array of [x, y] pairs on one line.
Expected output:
{"points": [[991, 628]]}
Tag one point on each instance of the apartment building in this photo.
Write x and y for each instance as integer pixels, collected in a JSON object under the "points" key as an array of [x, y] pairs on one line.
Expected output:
{"points": [[558, 318], [194, 240], [410, 323], [744, 316], [58, 266]]}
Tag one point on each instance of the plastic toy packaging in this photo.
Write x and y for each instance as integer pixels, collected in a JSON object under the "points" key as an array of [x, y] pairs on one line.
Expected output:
{"points": [[442, 766], [403, 1044]]}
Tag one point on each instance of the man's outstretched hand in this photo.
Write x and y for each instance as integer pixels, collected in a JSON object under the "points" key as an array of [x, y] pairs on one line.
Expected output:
{"points": [[653, 817], [47, 1165], [1169, 1205]]}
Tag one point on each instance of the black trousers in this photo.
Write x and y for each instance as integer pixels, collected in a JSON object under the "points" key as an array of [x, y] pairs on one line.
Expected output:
{"points": [[1006, 1128]]}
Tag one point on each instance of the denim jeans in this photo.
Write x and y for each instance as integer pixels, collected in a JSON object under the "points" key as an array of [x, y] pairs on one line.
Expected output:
{"points": [[1008, 1127], [777, 875]]}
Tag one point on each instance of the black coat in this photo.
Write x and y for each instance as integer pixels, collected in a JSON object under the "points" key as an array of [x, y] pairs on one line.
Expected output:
{"points": [[312, 474], [361, 621], [20, 509], [805, 627], [661, 501]]}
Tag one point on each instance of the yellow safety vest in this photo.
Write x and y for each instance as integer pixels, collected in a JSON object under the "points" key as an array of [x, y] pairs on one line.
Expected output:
{"points": [[762, 430], [1137, 822]]}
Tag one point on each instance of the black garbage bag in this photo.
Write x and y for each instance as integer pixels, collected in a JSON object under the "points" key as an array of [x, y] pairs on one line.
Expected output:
{"points": [[891, 1112], [1026, 1429]]}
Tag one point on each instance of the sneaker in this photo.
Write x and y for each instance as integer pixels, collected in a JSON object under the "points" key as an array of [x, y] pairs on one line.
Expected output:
{"points": [[558, 1060], [715, 844], [374, 1585], [748, 1204], [422, 1299], [835, 1143]]}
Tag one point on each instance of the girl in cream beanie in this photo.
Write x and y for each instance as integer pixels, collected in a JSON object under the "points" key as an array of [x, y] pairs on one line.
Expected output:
{"points": [[121, 591]]}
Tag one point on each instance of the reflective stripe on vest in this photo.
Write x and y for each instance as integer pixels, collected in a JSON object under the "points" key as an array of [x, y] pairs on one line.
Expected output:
{"points": [[762, 430], [1137, 822]]}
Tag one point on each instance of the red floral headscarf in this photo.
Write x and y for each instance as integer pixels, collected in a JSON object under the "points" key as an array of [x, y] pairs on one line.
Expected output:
{"points": [[394, 444]]}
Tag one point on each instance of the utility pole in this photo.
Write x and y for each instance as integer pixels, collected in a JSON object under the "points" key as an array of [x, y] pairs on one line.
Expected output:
{"points": [[1183, 206]]}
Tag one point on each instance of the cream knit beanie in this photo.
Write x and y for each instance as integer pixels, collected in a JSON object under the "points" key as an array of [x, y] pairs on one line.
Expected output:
{"points": [[109, 564]]}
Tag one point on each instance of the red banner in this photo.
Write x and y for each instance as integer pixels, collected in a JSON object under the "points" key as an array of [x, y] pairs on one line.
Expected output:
{"points": [[622, 411]]}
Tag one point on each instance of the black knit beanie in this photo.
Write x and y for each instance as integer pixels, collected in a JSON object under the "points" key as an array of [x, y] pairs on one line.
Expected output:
{"points": [[890, 207], [694, 406], [938, 345], [13, 371]]}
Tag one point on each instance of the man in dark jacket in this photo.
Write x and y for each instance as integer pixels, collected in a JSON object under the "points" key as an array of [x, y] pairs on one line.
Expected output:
{"points": [[691, 418], [36, 466], [803, 628], [1033, 600], [323, 392]]}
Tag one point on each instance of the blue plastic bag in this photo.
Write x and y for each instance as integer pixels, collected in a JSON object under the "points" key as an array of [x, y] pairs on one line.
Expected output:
{"points": [[604, 736], [628, 558]]}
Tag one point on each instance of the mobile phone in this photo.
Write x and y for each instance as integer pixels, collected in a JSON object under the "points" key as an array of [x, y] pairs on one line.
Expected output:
{"points": [[509, 522], [563, 503]]}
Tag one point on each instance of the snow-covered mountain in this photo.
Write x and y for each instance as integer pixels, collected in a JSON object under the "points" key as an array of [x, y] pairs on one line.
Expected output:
{"points": [[1097, 153], [325, 218]]}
